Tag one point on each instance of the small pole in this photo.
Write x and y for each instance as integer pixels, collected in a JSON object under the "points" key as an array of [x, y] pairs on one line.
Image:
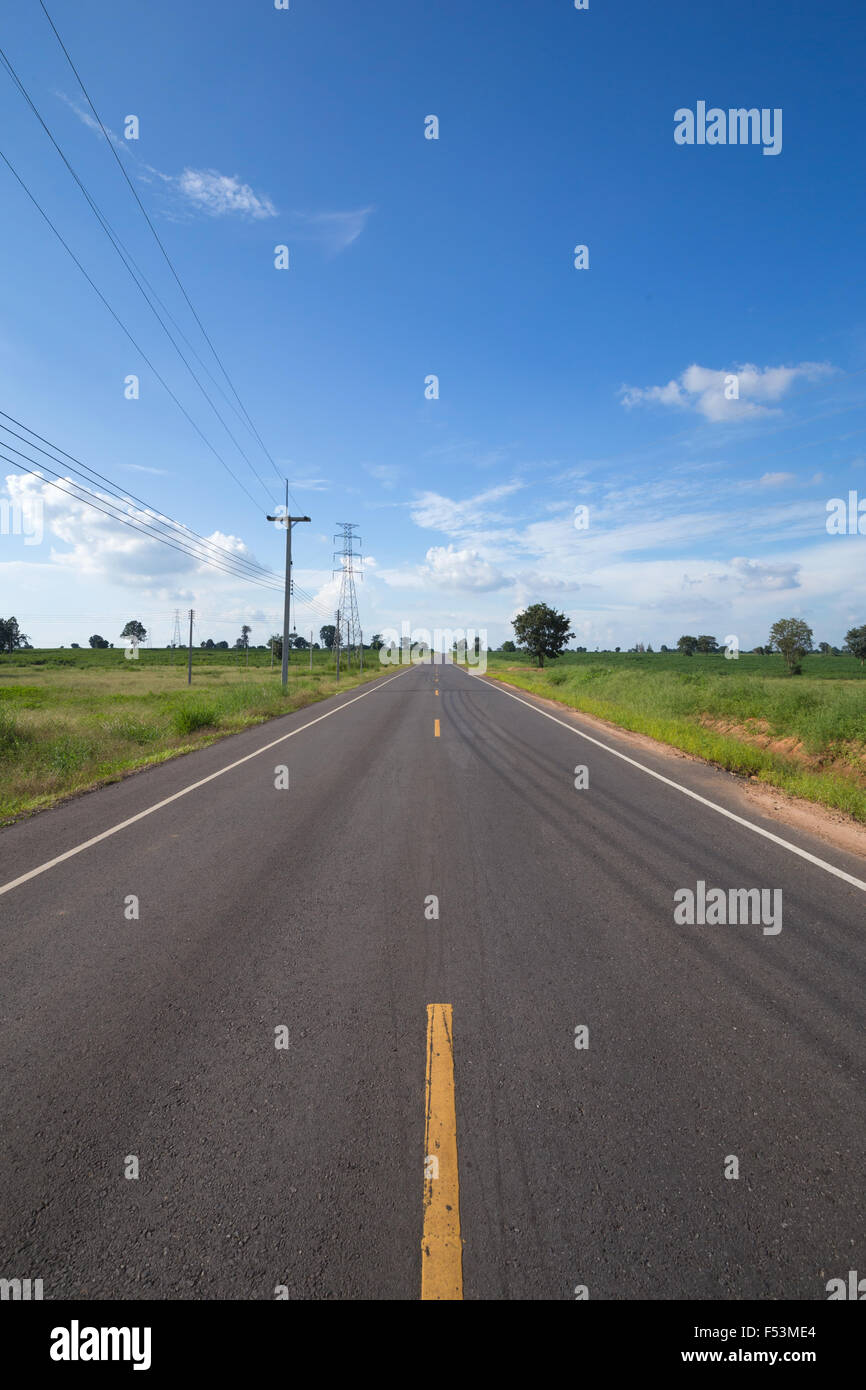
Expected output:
{"points": [[337, 640], [189, 663], [311, 649], [361, 648]]}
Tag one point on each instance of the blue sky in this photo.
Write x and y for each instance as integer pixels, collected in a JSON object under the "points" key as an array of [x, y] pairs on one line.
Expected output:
{"points": [[558, 387]]}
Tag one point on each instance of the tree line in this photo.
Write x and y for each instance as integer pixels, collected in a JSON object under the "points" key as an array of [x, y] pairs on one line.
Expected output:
{"points": [[544, 632]]}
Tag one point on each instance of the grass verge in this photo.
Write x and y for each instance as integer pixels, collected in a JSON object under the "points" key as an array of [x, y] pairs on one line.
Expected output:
{"points": [[806, 736], [69, 728]]}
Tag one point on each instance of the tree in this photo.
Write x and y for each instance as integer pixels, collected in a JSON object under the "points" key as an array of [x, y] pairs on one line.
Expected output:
{"points": [[221, 646], [542, 630], [377, 642], [793, 638], [97, 641], [328, 634], [824, 647], [855, 642], [76, 646], [208, 645], [135, 629], [707, 644], [301, 644], [509, 646], [275, 642], [11, 636], [687, 645]]}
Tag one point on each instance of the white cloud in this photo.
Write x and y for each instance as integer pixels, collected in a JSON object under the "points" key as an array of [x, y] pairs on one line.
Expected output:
{"points": [[221, 194], [97, 545], [776, 479], [760, 574], [216, 194], [461, 569], [703, 389]]}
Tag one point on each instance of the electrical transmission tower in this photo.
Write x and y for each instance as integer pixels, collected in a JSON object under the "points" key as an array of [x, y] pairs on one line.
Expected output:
{"points": [[348, 620], [176, 639]]}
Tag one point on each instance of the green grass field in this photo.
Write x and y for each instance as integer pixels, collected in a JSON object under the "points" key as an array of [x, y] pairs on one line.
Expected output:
{"points": [[805, 734], [70, 720]]}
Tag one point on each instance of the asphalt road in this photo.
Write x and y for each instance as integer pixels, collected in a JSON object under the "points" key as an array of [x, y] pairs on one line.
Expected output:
{"points": [[304, 1166]]}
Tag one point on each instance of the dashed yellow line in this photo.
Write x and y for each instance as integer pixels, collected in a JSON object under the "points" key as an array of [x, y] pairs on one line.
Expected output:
{"points": [[441, 1245], [435, 728]]}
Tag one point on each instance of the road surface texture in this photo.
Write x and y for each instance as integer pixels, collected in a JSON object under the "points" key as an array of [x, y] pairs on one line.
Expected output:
{"points": [[309, 909]]}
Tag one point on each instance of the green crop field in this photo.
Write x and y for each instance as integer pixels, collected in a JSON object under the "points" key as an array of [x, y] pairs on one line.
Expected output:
{"points": [[805, 734], [70, 720]]}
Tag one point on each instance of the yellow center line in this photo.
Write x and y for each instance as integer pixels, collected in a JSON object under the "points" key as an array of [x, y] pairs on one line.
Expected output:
{"points": [[435, 728], [441, 1245]]}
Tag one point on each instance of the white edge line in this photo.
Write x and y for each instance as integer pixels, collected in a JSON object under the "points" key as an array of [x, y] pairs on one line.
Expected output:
{"points": [[193, 786], [686, 791]]}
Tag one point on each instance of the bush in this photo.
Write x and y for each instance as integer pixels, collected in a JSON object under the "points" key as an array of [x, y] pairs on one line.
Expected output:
{"points": [[191, 717]]}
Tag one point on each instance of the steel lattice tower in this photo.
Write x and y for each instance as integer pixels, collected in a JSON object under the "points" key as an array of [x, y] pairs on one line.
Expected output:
{"points": [[348, 619]]}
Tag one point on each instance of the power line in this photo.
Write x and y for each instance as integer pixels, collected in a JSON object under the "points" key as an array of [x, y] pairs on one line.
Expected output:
{"points": [[311, 600], [128, 263], [159, 518], [313, 604], [161, 246], [89, 498], [123, 327]]}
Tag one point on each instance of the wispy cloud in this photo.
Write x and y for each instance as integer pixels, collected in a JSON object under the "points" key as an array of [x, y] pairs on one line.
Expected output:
{"points": [[439, 513], [311, 484], [384, 473], [711, 392], [92, 124], [220, 195], [335, 231], [205, 190]]}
